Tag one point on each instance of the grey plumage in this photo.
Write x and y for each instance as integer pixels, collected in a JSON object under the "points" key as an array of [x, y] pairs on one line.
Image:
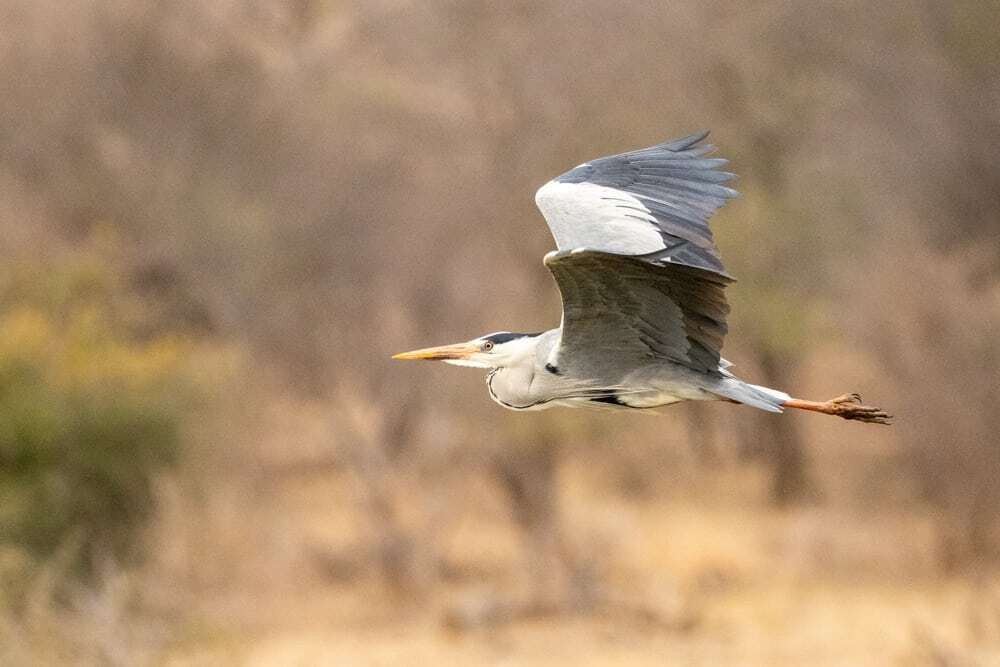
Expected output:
{"points": [[663, 305], [643, 294], [671, 187], [619, 309]]}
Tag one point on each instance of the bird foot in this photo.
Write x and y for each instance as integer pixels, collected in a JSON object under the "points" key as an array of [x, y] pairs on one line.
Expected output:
{"points": [[849, 406]]}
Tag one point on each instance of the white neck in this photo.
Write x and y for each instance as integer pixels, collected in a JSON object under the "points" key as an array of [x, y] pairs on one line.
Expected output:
{"points": [[518, 352]]}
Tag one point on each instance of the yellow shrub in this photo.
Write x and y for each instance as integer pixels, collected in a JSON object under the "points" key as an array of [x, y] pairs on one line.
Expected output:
{"points": [[89, 413]]}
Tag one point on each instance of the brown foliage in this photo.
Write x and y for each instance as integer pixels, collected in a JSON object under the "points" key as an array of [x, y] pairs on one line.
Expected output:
{"points": [[322, 184]]}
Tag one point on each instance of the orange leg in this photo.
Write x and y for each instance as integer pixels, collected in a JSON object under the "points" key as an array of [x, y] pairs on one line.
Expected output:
{"points": [[848, 406]]}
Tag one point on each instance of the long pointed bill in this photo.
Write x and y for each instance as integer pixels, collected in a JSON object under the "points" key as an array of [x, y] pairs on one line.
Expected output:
{"points": [[443, 353]]}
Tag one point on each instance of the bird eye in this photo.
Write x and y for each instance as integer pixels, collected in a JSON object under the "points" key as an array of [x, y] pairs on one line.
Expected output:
{"points": [[487, 346]]}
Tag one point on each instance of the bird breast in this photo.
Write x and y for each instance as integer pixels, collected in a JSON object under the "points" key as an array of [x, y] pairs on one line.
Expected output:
{"points": [[515, 389]]}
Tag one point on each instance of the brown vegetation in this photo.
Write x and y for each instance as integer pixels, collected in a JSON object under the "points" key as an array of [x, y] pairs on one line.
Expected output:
{"points": [[220, 219]]}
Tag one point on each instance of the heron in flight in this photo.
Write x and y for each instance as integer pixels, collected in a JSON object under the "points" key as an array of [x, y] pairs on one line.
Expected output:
{"points": [[643, 296]]}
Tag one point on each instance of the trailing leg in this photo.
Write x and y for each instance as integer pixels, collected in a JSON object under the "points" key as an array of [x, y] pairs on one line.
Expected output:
{"points": [[848, 406]]}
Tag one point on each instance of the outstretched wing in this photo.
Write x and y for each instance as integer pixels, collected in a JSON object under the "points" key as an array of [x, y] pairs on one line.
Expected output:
{"points": [[622, 312], [640, 277], [653, 202]]}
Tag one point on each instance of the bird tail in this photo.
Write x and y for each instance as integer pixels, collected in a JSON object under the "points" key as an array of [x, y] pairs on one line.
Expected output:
{"points": [[756, 396]]}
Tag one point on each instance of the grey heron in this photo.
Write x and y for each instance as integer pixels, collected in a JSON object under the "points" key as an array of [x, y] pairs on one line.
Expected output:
{"points": [[643, 295]]}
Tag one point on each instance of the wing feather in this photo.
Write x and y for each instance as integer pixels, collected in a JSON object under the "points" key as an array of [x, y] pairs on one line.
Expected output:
{"points": [[640, 276], [646, 201], [623, 312]]}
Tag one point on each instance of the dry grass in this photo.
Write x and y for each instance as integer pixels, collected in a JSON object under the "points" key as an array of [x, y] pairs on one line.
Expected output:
{"points": [[725, 581], [280, 561]]}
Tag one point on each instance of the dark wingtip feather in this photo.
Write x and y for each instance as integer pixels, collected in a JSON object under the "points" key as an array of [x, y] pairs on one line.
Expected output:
{"points": [[684, 142]]}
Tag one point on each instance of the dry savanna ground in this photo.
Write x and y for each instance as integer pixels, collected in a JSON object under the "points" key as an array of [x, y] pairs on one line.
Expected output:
{"points": [[718, 579]]}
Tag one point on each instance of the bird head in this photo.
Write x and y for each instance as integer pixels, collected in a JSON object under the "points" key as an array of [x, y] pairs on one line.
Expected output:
{"points": [[495, 350]]}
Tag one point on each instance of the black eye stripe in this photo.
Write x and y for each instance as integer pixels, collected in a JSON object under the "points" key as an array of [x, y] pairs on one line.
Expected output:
{"points": [[507, 336]]}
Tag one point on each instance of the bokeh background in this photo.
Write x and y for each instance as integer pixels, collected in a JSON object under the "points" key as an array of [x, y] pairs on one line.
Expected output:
{"points": [[219, 219]]}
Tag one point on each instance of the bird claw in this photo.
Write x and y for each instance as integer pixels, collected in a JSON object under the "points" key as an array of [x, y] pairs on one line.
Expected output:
{"points": [[849, 406]]}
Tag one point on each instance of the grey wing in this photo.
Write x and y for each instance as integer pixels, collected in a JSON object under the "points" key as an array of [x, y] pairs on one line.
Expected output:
{"points": [[654, 202], [621, 312], [640, 276]]}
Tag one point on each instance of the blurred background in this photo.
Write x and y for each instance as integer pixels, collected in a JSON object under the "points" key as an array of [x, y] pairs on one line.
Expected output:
{"points": [[219, 220]]}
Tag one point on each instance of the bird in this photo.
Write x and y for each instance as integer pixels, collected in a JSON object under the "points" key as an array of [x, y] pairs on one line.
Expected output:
{"points": [[643, 296]]}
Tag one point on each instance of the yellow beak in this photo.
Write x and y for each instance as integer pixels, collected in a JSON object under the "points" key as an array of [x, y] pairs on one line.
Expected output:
{"points": [[457, 351]]}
